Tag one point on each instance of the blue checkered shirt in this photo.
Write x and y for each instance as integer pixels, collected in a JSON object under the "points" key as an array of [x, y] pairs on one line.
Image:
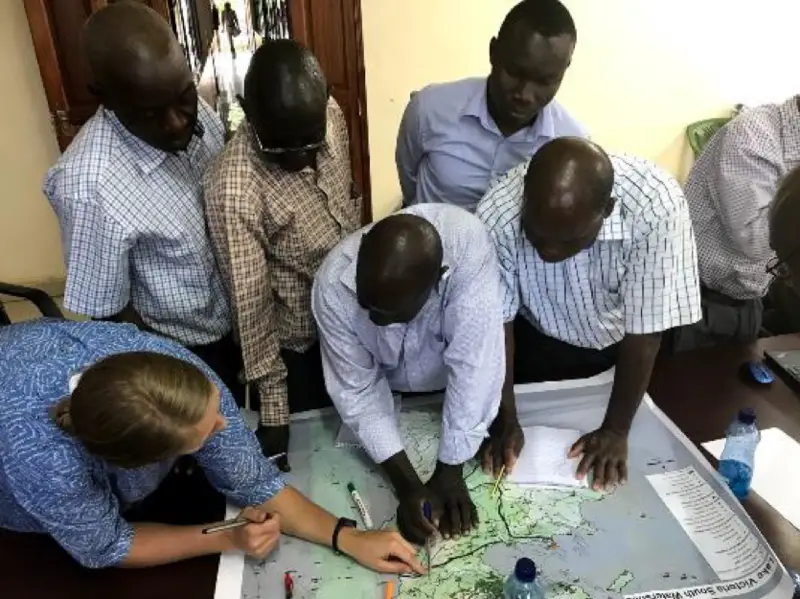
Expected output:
{"points": [[638, 277], [455, 342], [50, 484], [134, 232]]}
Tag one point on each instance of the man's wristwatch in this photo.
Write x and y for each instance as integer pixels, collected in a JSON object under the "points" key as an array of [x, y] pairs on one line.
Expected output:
{"points": [[342, 523]]}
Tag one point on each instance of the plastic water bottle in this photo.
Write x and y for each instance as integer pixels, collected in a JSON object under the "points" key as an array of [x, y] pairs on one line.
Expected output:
{"points": [[738, 457], [523, 584]]}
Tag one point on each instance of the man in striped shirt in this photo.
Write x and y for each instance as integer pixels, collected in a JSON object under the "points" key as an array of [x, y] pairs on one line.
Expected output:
{"points": [[784, 222], [729, 192], [597, 259]]}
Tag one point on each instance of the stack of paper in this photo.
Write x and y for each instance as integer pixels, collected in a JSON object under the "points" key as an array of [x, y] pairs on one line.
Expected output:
{"points": [[543, 461]]}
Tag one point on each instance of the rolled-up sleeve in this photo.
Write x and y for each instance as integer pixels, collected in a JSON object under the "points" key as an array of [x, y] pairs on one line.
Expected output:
{"points": [[661, 287], [409, 150], [475, 354], [240, 245], [76, 509], [356, 385], [743, 184]]}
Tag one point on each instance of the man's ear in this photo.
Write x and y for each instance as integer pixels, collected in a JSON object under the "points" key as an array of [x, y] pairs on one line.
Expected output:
{"points": [[240, 99], [493, 50], [612, 201], [102, 98]]}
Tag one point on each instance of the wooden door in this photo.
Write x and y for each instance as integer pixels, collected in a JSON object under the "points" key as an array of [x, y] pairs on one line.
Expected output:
{"points": [[332, 30], [56, 27]]}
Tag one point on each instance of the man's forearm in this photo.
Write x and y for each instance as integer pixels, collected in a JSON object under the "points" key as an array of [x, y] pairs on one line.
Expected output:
{"points": [[637, 354], [157, 544], [401, 473], [508, 403]]}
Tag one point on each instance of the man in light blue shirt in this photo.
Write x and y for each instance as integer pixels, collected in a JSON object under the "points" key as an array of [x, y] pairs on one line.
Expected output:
{"points": [[127, 192], [413, 304], [456, 138]]}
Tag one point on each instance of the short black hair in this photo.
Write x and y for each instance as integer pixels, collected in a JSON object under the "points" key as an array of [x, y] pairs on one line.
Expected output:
{"points": [[549, 18], [282, 75]]}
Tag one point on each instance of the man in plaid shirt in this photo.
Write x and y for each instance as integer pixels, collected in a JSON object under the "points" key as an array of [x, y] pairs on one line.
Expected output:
{"points": [[279, 198]]}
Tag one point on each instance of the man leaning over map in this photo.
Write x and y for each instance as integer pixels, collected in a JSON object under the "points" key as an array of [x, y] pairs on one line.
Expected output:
{"points": [[412, 304], [597, 258]]}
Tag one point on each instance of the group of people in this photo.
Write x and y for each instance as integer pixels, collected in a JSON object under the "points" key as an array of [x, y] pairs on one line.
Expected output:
{"points": [[524, 252]]}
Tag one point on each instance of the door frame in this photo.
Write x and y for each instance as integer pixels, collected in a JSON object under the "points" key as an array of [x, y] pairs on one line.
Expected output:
{"points": [[298, 26]]}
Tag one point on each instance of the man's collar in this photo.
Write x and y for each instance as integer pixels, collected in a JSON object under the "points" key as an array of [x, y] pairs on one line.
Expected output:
{"points": [[478, 107], [348, 276], [146, 157], [790, 117]]}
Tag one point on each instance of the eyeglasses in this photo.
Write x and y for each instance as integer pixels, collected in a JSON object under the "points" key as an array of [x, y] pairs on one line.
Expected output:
{"points": [[282, 151]]}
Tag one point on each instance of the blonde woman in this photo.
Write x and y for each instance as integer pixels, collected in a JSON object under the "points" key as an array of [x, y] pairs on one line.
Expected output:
{"points": [[94, 415]]}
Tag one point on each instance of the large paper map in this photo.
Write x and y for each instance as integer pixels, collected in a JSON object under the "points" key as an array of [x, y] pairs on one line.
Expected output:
{"points": [[585, 544]]}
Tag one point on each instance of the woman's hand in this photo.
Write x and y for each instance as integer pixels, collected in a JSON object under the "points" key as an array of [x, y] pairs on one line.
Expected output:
{"points": [[380, 550], [259, 538]]}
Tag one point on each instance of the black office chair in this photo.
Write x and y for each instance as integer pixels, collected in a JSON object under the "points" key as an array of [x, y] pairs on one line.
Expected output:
{"points": [[39, 298]]}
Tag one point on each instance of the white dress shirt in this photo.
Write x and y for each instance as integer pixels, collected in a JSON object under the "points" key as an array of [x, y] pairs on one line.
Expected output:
{"points": [[455, 342], [639, 277], [730, 189]]}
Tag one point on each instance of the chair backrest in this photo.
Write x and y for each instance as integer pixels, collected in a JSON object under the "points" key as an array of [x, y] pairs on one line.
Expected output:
{"points": [[701, 132], [4, 319]]}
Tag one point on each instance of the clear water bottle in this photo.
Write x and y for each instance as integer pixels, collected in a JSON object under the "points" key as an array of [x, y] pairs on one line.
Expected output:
{"points": [[738, 457], [523, 584]]}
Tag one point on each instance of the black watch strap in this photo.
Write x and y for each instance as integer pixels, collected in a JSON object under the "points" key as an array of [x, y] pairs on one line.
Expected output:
{"points": [[342, 523]]}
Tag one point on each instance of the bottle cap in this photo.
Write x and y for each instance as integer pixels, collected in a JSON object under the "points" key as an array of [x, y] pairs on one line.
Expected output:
{"points": [[525, 570], [747, 416]]}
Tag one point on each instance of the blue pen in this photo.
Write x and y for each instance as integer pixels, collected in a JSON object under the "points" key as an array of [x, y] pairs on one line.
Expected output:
{"points": [[426, 511]]}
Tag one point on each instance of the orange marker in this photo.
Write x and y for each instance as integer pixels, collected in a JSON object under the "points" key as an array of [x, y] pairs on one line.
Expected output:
{"points": [[389, 591]]}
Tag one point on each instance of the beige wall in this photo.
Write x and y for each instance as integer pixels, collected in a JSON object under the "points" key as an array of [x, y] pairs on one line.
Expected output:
{"points": [[30, 249], [642, 70]]}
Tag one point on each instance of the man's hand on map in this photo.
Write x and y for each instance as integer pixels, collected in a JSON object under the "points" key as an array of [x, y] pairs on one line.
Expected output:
{"points": [[411, 520], [458, 515], [259, 538], [503, 446], [381, 550], [274, 440], [605, 454]]}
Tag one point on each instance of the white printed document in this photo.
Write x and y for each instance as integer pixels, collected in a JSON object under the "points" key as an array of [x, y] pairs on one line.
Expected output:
{"points": [[543, 460]]}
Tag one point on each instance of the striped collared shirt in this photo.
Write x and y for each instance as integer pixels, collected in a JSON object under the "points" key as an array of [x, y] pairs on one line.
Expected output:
{"points": [[639, 277], [729, 191], [271, 229], [455, 342], [133, 229]]}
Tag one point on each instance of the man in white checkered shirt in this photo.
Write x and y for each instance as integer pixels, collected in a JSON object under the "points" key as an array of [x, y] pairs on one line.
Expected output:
{"points": [[729, 191], [784, 223], [597, 259], [127, 191]]}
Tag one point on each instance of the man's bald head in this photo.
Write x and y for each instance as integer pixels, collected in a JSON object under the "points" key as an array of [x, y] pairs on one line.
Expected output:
{"points": [[286, 97], [784, 226], [399, 263], [567, 196], [138, 70]]}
